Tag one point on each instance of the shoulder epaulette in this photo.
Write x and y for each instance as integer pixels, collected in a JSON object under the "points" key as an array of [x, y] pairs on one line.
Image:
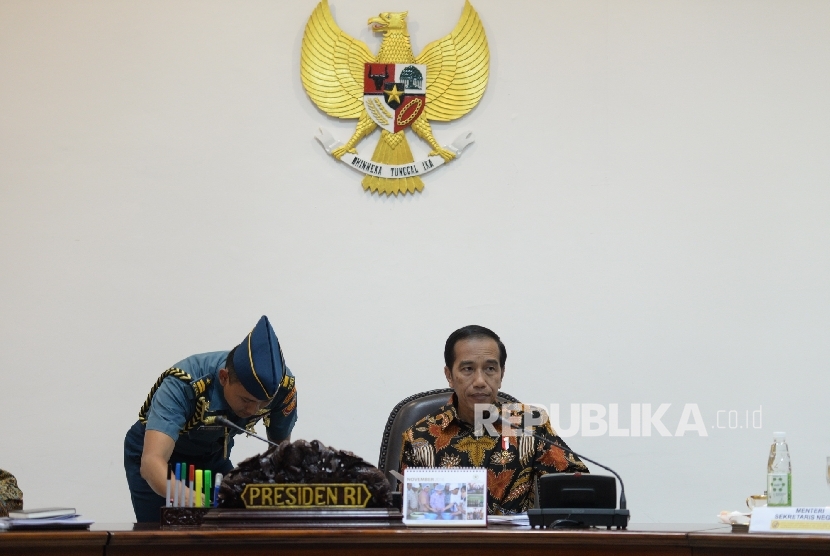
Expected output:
{"points": [[199, 388]]}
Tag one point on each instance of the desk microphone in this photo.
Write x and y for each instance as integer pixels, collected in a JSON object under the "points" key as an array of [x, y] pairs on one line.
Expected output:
{"points": [[227, 423], [522, 432]]}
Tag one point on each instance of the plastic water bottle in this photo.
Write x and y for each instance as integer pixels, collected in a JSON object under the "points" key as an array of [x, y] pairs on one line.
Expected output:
{"points": [[779, 473]]}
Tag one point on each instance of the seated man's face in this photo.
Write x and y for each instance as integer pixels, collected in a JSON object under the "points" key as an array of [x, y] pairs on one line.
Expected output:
{"points": [[476, 374]]}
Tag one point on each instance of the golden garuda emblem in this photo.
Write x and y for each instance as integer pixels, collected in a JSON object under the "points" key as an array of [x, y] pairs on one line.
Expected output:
{"points": [[393, 91]]}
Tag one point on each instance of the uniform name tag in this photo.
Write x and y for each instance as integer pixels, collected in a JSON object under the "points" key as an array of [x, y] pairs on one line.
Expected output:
{"points": [[295, 496], [772, 519]]}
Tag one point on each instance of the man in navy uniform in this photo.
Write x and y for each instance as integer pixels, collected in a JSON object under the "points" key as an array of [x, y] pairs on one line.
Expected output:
{"points": [[176, 423]]}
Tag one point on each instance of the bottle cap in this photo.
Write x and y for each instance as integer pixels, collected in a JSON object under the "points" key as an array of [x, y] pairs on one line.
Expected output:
{"points": [[779, 435]]}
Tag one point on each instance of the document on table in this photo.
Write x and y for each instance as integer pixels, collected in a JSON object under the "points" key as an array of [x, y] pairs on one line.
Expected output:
{"points": [[518, 520], [45, 523]]}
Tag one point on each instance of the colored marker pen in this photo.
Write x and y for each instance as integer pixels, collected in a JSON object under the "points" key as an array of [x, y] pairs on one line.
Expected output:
{"points": [[198, 492], [167, 501], [191, 475], [208, 487], [216, 490], [176, 484], [183, 484]]}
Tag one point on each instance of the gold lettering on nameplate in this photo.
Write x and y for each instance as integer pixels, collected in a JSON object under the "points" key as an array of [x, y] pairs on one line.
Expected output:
{"points": [[297, 496]]}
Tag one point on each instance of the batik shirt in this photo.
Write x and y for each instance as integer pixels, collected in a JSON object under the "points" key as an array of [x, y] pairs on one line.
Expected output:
{"points": [[512, 462]]}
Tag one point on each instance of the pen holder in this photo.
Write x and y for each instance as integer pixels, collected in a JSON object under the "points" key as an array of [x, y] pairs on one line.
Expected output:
{"points": [[182, 516]]}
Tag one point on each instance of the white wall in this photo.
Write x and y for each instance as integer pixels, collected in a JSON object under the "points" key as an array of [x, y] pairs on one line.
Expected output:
{"points": [[643, 218]]}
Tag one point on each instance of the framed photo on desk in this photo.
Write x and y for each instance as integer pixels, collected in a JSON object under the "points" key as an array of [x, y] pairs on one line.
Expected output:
{"points": [[445, 497]]}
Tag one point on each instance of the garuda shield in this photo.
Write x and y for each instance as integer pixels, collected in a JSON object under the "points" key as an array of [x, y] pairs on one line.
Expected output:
{"points": [[394, 95]]}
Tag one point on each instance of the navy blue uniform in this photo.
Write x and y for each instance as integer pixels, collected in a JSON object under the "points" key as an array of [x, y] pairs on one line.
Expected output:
{"points": [[184, 410]]}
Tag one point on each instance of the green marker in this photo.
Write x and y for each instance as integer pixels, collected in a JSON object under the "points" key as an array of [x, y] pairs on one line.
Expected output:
{"points": [[208, 488], [183, 479]]}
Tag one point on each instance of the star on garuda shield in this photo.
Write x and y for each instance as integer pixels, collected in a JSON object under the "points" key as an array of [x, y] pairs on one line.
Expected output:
{"points": [[394, 91]]}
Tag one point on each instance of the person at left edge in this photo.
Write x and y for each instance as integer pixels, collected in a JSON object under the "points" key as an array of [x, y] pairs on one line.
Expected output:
{"points": [[176, 422]]}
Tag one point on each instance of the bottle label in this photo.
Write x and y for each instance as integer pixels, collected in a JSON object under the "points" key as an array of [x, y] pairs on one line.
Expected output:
{"points": [[779, 489]]}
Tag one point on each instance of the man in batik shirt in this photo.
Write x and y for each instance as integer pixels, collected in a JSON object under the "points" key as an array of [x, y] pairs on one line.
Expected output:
{"points": [[475, 358]]}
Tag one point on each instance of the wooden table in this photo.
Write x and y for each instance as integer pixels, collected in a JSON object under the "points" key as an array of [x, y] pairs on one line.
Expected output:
{"points": [[71, 543], [723, 543], [400, 540], [642, 539]]}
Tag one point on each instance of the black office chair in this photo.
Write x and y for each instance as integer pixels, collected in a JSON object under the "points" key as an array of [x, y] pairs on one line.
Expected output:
{"points": [[407, 413]]}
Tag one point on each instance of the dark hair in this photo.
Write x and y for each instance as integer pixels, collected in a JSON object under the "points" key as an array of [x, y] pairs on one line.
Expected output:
{"points": [[471, 331], [232, 376]]}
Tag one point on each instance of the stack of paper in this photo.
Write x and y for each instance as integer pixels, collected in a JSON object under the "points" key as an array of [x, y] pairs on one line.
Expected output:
{"points": [[44, 518]]}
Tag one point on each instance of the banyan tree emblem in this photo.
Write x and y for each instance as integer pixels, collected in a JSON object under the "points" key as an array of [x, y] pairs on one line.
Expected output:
{"points": [[394, 91]]}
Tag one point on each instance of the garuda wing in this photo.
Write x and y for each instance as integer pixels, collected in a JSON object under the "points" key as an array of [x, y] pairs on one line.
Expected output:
{"points": [[458, 67], [331, 65]]}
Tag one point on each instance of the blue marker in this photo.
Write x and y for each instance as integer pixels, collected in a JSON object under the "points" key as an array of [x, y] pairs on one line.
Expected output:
{"points": [[217, 482], [176, 489]]}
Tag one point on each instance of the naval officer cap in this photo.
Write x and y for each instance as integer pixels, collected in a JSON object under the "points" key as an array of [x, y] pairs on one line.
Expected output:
{"points": [[258, 361]]}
